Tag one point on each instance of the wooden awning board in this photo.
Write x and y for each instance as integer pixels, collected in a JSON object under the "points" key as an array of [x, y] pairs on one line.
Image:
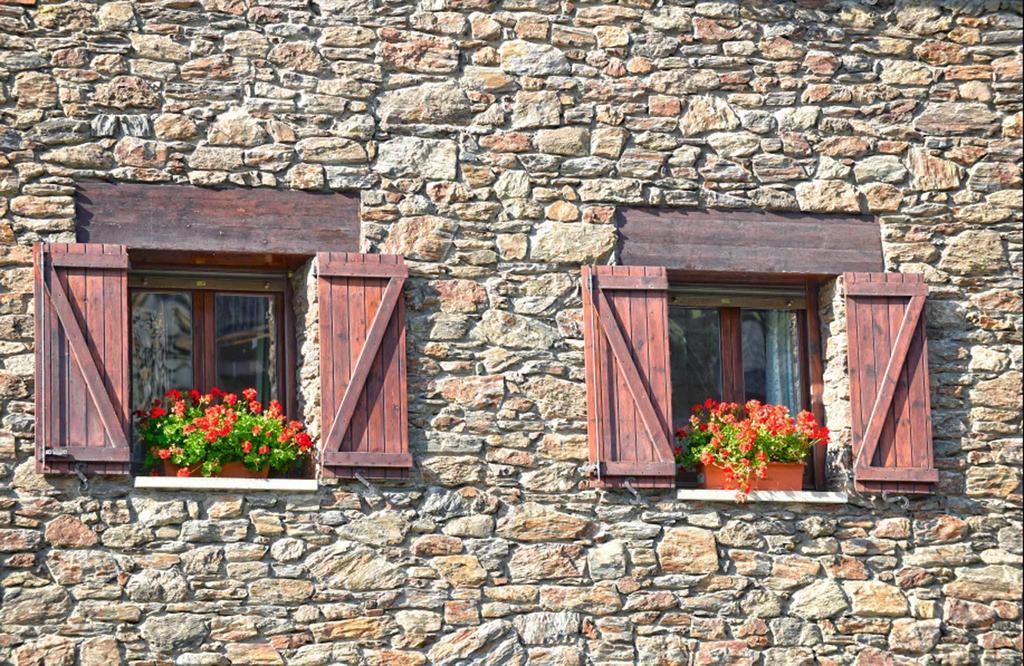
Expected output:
{"points": [[723, 241], [185, 218]]}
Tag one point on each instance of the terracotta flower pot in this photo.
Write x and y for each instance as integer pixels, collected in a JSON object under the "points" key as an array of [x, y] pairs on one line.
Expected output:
{"points": [[780, 476], [235, 470]]}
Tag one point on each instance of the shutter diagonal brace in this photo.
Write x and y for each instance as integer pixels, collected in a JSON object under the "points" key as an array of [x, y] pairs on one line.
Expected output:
{"points": [[631, 374], [90, 373], [374, 338], [886, 392]]}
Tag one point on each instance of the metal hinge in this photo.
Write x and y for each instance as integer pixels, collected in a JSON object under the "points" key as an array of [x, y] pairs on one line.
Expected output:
{"points": [[56, 453], [591, 469]]}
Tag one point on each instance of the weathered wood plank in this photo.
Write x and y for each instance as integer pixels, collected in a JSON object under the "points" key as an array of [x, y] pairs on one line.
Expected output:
{"points": [[750, 242], [182, 218]]}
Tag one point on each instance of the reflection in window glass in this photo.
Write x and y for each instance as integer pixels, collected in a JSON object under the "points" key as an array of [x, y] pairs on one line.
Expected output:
{"points": [[696, 358], [161, 344], [771, 359], [246, 344]]}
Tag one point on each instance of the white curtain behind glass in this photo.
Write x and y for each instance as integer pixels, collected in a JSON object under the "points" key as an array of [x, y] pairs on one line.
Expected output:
{"points": [[782, 365]]}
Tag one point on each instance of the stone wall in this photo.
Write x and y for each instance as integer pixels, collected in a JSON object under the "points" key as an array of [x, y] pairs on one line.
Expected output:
{"points": [[492, 141]]}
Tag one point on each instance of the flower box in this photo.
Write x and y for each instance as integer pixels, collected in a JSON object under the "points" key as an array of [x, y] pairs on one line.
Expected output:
{"points": [[748, 447], [221, 435], [778, 476], [232, 470]]}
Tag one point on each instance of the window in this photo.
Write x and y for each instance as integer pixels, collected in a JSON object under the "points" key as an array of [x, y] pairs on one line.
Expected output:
{"points": [[194, 329], [737, 343]]}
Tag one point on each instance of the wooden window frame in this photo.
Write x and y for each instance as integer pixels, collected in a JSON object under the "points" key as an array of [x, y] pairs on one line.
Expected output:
{"points": [[804, 302], [203, 286]]}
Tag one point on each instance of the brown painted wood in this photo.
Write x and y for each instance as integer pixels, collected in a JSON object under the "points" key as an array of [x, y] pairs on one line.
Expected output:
{"points": [[919, 399], [96, 455], [628, 390], [90, 261], [888, 289], [632, 282], [813, 356], [750, 242], [731, 328], [183, 218], [897, 474], [592, 370], [367, 269], [362, 357], [889, 379], [626, 359], [889, 387], [636, 468], [149, 259], [82, 378], [367, 459]]}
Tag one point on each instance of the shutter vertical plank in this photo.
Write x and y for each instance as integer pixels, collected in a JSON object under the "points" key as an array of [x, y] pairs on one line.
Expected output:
{"points": [[390, 390], [659, 381], [94, 321], [919, 399], [92, 316], [628, 421], [609, 414], [328, 314], [363, 406], [374, 383], [869, 378], [885, 454], [76, 422], [642, 354], [900, 412], [859, 363], [591, 362], [358, 318]]}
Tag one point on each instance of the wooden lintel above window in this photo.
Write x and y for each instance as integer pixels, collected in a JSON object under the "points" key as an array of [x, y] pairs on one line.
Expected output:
{"points": [[256, 221], [730, 242]]}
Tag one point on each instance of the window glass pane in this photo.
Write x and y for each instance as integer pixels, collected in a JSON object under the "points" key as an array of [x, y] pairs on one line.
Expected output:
{"points": [[161, 344], [246, 344], [771, 357], [695, 354]]}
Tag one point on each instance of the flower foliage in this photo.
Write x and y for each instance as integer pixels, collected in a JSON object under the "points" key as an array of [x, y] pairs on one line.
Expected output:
{"points": [[743, 439], [201, 432]]}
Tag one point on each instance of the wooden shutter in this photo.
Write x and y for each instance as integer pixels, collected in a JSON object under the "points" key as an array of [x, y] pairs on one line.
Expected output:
{"points": [[362, 365], [625, 332], [81, 336], [889, 393]]}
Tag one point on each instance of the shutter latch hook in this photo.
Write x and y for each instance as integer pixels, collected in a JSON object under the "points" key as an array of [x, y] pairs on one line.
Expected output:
{"points": [[628, 483], [83, 480]]}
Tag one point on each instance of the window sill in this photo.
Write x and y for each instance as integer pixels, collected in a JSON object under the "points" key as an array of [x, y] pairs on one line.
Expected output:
{"points": [[773, 496], [217, 483]]}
